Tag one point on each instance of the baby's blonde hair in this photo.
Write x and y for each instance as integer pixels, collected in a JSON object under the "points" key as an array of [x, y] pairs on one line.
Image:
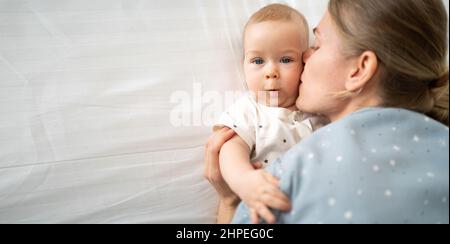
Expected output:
{"points": [[280, 12]]}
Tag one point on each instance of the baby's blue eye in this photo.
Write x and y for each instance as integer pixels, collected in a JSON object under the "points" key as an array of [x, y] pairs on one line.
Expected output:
{"points": [[286, 60], [258, 61]]}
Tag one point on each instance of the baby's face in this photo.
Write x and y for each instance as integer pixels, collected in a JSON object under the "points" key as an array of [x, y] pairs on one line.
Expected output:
{"points": [[273, 61]]}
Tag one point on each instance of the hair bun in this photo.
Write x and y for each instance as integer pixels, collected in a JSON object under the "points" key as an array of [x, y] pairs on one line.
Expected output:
{"points": [[440, 82]]}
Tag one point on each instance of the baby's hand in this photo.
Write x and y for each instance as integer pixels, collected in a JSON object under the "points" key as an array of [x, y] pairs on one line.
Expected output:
{"points": [[259, 190]]}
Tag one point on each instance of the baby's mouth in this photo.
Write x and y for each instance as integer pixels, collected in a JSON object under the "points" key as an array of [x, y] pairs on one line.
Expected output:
{"points": [[268, 97], [273, 100], [273, 93]]}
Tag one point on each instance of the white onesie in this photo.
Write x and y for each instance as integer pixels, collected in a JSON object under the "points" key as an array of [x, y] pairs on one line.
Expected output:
{"points": [[268, 131]]}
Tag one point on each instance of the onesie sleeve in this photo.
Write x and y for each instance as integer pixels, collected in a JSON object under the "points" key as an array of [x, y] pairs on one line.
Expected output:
{"points": [[240, 117]]}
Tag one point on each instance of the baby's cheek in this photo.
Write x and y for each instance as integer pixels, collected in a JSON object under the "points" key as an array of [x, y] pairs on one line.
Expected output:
{"points": [[301, 69], [292, 88], [251, 78], [294, 76], [253, 84]]}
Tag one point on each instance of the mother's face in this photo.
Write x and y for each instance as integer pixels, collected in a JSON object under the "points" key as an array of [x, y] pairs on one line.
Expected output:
{"points": [[325, 72]]}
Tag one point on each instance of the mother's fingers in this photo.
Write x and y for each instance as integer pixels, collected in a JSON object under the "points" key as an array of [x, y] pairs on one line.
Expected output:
{"points": [[221, 138], [214, 136], [212, 148]]}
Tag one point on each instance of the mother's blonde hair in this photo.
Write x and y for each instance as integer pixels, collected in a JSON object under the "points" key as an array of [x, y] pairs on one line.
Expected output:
{"points": [[409, 38]]}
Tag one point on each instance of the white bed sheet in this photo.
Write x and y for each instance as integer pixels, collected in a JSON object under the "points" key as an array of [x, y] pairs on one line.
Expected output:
{"points": [[85, 88]]}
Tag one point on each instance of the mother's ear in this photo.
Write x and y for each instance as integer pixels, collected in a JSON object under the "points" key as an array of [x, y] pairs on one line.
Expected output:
{"points": [[364, 70]]}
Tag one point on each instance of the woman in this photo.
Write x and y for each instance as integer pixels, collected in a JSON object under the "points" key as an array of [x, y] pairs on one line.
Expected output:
{"points": [[378, 71]]}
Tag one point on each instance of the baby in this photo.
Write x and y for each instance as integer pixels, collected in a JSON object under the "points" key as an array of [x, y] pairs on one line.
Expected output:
{"points": [[266, 122]]}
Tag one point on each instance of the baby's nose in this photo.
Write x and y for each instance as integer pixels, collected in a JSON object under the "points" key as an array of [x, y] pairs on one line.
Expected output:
{"points": [[272, 76]]}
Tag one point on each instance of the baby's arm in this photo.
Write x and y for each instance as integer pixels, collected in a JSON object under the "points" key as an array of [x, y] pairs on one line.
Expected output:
{"points": [[235, 161], [257, 188]]}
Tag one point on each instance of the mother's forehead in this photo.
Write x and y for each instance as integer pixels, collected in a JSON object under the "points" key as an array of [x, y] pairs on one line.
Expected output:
{"points": [[326, 28]]}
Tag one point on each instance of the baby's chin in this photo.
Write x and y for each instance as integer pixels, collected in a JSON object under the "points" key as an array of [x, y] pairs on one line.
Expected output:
{"points": [[288, 103], [291, 106]]}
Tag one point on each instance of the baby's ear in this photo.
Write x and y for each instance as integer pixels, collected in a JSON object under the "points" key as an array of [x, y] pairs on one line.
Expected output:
{"points": [[364, 69]]}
